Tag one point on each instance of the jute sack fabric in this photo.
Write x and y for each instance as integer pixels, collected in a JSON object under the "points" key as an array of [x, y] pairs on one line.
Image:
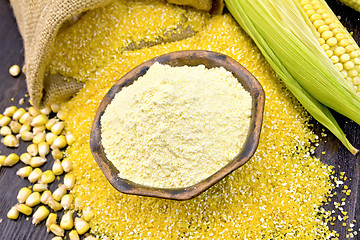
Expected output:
{"points": [[39, 22]]}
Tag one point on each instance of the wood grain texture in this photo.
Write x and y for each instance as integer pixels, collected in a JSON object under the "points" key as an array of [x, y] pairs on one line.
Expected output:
{"points": [[11, 52]]}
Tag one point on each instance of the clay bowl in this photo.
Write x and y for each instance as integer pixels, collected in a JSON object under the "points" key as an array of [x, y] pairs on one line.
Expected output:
{"points": [[190, 58]]}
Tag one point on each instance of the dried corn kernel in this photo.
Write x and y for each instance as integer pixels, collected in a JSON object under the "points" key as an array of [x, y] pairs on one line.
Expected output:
{"points": [[56, 153], [40, 187], [47, 177], [45, 110], [18, 114], [67, 164], [66, 201], [54, 205], [23, 194], [50, 137], [37, 161], [61, 114], [33, 111], [11, 160], [50, 220], [2, 160], [70, 139], [57, 128], [79, 203], [69, 180], [26, 118], [35, 175], [4, 121], [55, 107], [67, 221], [57, 167], [24, 209], [15, 127], [38, 129], [9, 111], [27, 136], [90, 237], [57, 238], [44, 149], [59, 142], [24, 171], [57, 230], [5, 130], [33, 199], [11, 141], [25, 128], [39, 137], [59, 192], [87, 214], [14, 70], [39, 120], [33, 149], [45, 196], [25, 158], [13, 213], [73, 235], [81, 226], [51, 123]]}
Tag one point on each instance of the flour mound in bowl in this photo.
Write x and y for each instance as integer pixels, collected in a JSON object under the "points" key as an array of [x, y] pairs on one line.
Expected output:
{"points": [[176, 126]]}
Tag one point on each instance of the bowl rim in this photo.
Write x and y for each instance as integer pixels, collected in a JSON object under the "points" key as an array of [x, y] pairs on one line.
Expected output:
{"points": [[248, 81]]}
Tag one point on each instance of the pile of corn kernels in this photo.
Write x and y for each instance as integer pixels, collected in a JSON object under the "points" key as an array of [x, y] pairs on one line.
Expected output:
{"points": [[45, 130]]}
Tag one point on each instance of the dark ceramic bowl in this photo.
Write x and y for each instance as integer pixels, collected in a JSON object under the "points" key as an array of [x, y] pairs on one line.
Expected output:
{"points": [[190, 58]]}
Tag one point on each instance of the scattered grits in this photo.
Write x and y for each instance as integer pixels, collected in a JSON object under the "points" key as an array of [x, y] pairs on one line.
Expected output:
{"points": [[278, 194], [176, 126]]}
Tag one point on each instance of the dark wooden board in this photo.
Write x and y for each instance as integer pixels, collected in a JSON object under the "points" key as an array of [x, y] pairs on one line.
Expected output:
{"points": [[11, 52]]}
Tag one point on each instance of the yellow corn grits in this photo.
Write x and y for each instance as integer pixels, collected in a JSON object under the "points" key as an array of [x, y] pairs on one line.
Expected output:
{"points": [[119, 26], [278, 194]]}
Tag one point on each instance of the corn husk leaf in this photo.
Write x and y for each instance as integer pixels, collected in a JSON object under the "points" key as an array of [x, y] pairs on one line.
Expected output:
{"points": [[280, 30]]}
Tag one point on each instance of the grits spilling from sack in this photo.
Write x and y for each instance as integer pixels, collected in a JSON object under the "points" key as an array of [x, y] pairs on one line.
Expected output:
{"points": [[176, 126]]}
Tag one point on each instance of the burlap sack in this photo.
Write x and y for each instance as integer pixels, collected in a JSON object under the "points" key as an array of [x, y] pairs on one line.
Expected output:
{"points": [[39, 22]]}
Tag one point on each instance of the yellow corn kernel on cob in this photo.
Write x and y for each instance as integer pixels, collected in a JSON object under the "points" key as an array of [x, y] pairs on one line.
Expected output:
{"points": [[303, 40], [336, 41]]}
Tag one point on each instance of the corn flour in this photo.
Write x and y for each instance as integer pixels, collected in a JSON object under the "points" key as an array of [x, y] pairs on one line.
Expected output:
{"points": [[176, 126]]}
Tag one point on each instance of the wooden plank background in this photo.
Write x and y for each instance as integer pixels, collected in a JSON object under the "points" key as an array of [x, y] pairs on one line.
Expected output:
{"points": [[13, 89]]}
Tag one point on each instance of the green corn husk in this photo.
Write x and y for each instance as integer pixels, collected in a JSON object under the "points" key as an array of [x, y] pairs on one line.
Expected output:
{"points": [[282, 32]]}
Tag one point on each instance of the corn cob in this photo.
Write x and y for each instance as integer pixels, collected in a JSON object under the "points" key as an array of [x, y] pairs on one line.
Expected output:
{"points": [[355, 4], [336, 41], [302, 64]]}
